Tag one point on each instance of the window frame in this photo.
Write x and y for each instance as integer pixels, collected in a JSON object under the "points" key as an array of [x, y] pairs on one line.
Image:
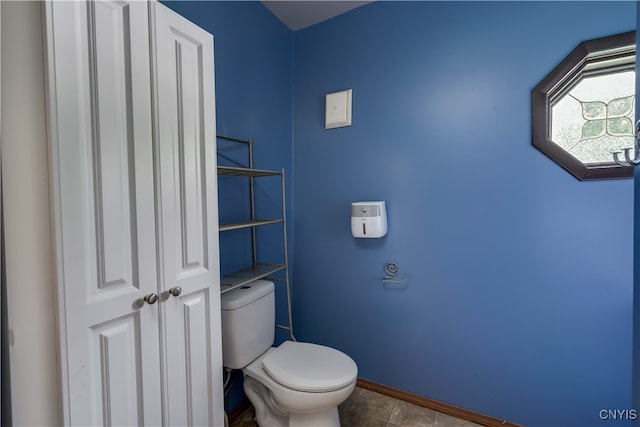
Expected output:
{"points": [[566, 74]]}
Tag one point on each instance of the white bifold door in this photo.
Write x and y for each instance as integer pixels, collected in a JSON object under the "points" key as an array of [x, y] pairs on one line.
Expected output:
{"points": [[132, 145]]}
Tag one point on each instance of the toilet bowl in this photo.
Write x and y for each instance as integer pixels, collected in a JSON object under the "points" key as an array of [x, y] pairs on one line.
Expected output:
{"points": [[306, 390], [293, 384]]}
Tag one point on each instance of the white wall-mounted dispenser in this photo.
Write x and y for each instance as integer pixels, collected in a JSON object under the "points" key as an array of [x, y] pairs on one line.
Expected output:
{"points": [[338, 109], [368, 219]]}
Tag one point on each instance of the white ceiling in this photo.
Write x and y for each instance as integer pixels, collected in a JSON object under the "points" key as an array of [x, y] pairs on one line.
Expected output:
{"points": [[297, 14]]}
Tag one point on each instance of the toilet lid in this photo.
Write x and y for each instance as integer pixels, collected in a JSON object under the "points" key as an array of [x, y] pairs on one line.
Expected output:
{"points": [[310, 367]]}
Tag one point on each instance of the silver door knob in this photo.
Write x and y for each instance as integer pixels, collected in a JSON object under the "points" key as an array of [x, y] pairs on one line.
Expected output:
{"points": [[175, 291], [151, 298]]}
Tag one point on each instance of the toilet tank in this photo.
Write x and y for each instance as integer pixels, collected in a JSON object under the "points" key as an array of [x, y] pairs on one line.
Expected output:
{"points": [[248, 323]]}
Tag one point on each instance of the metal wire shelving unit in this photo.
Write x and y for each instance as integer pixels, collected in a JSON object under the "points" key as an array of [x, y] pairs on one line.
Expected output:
{"points": [[257, 270]]}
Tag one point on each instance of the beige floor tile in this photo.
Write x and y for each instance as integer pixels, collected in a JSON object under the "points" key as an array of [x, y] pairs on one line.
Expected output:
{"points": [[374, 405], [444, 420], [406, 414], [351, 418]]}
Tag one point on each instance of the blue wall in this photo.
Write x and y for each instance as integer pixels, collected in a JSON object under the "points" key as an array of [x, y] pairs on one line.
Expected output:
{"points": [[518, 302]]}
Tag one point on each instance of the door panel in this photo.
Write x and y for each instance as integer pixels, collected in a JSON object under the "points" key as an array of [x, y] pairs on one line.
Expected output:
{"points": [[189, 156], [103, 206], [194, 319], [189, 220], [109, 44], [115, 345]]}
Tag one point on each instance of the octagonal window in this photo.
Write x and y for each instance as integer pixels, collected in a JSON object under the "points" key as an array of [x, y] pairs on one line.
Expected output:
{"points": [[584, 109]]}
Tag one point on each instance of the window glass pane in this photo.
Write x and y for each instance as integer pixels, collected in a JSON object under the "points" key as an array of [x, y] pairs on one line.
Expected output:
{"points": [[595, 117], [594, 110]]}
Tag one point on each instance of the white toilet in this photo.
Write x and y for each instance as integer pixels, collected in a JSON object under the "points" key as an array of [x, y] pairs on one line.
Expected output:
{"points": [[294, 384]]}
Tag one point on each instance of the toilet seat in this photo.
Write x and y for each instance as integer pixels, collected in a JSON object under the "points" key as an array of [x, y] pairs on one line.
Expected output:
{"points": [[309, 367]]}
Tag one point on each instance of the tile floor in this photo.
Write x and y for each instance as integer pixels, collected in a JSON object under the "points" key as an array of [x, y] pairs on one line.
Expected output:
{"points": [[366, 408]]}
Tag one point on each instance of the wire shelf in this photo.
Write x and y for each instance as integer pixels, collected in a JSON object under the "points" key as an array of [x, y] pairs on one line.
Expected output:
{"points": [[248, 275]]}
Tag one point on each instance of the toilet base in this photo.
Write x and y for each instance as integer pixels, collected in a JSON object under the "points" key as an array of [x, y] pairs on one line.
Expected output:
{"points": [[269, 414], [329, 418]]}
